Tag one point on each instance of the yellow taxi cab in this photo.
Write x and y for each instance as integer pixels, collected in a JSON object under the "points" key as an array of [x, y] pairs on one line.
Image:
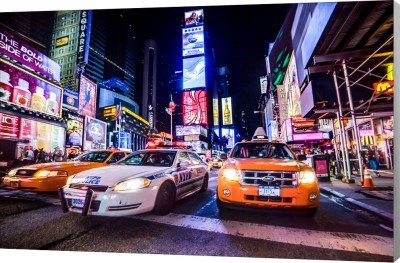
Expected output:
{"points": [[217, 162], [48, 177], [266, 175]]}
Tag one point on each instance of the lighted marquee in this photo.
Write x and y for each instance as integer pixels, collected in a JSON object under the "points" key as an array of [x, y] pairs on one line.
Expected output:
{"points": [[194, 107], [194, 72], [192, 41]]}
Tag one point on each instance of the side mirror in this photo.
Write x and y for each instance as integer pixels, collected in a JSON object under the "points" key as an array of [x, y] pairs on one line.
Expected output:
{"points": [[302, 157]]}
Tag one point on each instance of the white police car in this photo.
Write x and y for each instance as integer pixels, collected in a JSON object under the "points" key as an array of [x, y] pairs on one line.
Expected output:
{"points": [[150, 180]]}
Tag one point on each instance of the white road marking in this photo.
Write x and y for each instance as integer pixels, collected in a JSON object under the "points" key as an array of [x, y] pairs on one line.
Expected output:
{"points": [[331, 240]]}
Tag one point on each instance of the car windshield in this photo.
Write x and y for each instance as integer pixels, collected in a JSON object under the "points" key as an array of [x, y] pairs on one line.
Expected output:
{"points": [[98, 157], [150, 158], [262, 150]]}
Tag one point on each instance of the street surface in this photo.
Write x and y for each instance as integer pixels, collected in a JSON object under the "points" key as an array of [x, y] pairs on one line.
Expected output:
{"points": [[337, 232]]}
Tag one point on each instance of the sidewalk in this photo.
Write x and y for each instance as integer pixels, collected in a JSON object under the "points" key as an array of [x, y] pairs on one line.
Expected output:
{"points": [[378, 200]]}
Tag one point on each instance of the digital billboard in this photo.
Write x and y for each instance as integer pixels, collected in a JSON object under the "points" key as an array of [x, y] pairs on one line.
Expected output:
{"points": [[194, 18], [95, 134], [194, 107], [28, 90], [190, 130], [215, 111], [192, 41], [194, 72], [20, 51], [87, 97], [227, 111], [70, 99], [74, 130], [228, 136]]}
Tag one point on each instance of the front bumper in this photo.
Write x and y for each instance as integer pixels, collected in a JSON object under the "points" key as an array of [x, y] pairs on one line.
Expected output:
{"points": [[35, 184]]}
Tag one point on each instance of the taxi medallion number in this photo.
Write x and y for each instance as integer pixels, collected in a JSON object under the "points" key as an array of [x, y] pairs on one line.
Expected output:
{"points": [[269, 191], [78, 202]]}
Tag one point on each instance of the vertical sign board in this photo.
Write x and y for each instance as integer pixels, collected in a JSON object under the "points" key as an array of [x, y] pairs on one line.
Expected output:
{"points": [[194, 107], [192, 41], [87, 97], [95, 134], [74, 130], [85, 24], [227, 111]]}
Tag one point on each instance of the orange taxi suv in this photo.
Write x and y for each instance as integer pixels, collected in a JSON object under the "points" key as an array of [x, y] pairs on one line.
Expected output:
{"points": [[266, 175], [48, 177]]}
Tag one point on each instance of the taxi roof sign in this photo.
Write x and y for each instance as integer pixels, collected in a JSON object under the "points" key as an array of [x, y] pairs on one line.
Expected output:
{"points": [[260, 134]]}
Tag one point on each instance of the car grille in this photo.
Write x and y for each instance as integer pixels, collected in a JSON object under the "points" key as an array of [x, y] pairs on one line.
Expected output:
{"points": [[269, 178], [96, 188], [25, 172]]}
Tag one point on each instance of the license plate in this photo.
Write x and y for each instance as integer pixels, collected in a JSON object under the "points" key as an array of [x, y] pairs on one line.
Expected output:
{"points": [[14, 184], [77, 202], [269, 191]]}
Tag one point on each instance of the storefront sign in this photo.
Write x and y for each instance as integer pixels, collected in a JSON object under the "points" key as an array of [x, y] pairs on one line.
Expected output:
{"points": [[16, 49], [310, 136], [366, 132], [28, 129], [384, 87], [9, 126]]}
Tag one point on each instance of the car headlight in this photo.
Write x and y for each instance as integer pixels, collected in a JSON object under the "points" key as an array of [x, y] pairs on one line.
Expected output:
{"points": [[45, 174], [307, 177], [132, 184], [12, 172], [231, 174]]}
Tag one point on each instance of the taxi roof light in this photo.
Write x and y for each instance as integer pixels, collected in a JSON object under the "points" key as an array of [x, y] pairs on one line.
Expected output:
{"points": [[259, 134]]}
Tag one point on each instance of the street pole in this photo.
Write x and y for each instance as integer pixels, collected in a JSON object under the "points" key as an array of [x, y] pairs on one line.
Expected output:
{"points": [[171, 129]]}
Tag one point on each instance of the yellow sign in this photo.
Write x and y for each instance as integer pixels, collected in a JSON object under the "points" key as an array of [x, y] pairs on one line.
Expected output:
{"points": [[384, 87], [62, 41]]}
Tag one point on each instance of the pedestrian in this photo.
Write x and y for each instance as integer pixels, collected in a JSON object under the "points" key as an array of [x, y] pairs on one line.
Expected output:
{"points": [[40, 156], [372, 159], [57, 154], [35, 154], [28, 156]]}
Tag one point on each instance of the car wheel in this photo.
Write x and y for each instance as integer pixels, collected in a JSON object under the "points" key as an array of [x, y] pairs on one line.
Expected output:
{"points": [[204, 187], [165, 199]]}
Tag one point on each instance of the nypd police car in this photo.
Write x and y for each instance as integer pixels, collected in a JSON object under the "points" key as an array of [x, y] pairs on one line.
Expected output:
{"points": [[150, 180]]}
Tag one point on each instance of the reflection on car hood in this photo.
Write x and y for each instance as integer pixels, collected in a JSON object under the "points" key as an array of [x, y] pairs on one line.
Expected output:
{"points": [[110, 175], [57, 165], [265, 164]]}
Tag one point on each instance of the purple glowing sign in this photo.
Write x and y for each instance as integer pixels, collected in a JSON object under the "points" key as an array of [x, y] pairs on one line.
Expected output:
{"points": [[28, 56], [310, 136]]}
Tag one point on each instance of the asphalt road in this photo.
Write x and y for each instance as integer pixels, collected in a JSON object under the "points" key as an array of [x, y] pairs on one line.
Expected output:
{"points": [[31, 221]]}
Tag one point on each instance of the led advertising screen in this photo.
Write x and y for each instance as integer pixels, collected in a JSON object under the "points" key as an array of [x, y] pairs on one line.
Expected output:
{"points": [[74, 130], [228, 136], [194, 107], [194, 72], [95, 134], [190, 130], [70, 99], [87, 97], [192, 41], [194, 18], [215, 111], [227, 111], [29, 91], [28, 56]]}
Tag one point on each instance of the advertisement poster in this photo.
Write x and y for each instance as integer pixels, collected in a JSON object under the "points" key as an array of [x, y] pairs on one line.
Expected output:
{"points": [[215, 111], [87, 97], [194, 107], [192, 41], [74, 130], [20, 51], [227, 111], [70, 99], [29, 91], [9, 126], [194, 73], [44, 136], [321, 168], [194, 18], [189, 130], [95, 134], [28, 130]]}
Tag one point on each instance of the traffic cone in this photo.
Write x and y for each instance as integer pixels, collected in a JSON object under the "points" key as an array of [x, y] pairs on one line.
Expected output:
{"points": [[368, 183]]}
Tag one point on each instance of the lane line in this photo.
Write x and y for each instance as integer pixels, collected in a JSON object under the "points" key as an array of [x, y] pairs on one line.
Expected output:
{"points": [[331, 240]]}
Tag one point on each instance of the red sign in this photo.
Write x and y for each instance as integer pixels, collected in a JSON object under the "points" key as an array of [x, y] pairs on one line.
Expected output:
{"points": [[304, 124], [9, 126], [194, 107], [28, 129], [384, 87]]}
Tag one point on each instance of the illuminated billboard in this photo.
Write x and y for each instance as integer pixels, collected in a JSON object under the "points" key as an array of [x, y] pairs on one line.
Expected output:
{"points": [[227, 111], [215, 111], [27, 90], [190, 130], [194, 107], [74, 130], [192, 41], [87, 97], [194, 72], [194, 18], [95, 134], [228, 136]]}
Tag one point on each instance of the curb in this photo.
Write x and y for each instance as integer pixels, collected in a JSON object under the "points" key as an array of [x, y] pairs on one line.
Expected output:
{"points": [[374, 210]]}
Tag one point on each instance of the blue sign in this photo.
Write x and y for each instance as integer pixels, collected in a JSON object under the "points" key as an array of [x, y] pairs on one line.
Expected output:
{"points": [[70, 99]]}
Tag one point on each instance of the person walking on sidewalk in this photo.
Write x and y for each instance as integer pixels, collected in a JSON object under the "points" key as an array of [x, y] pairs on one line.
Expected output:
{"points": [[373, 164]]}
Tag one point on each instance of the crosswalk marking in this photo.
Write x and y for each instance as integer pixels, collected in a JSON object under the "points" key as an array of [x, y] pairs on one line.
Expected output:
{"points": [[353, 242]]}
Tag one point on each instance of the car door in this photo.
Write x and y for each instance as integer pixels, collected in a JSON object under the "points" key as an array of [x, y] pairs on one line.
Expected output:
{"points": [[185, 174], [198, 167]]}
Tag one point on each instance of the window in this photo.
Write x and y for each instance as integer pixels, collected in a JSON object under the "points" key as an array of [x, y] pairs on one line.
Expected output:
{"points": [[195, 158], [183, 156]]}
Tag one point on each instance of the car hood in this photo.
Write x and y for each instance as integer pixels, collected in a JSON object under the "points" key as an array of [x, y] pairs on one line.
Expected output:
{"points": [[265, 164], [113, 174], [57, 165]]}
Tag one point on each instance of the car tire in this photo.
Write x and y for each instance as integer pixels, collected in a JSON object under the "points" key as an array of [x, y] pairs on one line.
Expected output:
{"points": [[204, 187], [165, 200]]}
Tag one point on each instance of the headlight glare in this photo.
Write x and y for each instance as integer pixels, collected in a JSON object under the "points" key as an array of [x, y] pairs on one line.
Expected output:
{"points": [[12, 172], [132, 184], [231, 174], [45, 174], [307, 177]]}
